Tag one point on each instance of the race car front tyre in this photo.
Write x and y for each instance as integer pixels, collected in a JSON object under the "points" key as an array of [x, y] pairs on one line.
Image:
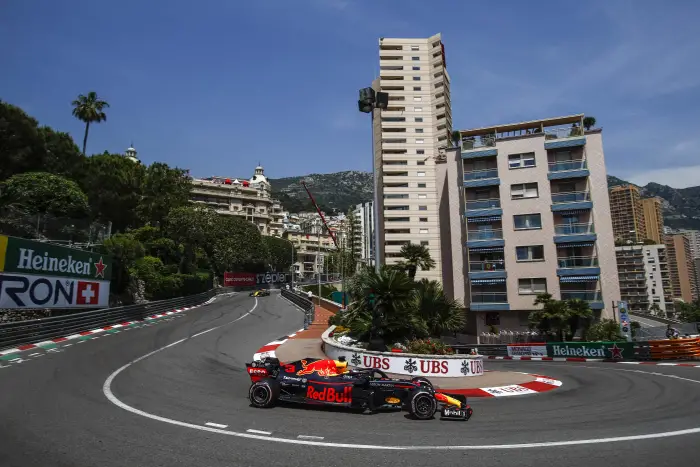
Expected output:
{"points": [[422, 382], [422, 405], [264, 393]]}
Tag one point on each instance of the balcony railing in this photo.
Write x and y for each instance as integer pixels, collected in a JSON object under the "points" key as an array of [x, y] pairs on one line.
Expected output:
{"points": [[486, 297], [578, 262], [480, 174], [484, 204], [571, 197], [496, 265], [573, 229], [582, 295], [485, 234], [559, 133], [562, 166], [478, 142]]}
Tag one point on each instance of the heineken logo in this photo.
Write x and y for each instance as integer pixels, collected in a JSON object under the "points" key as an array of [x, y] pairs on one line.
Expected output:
{"points": [[588, 350], [29, 261]]}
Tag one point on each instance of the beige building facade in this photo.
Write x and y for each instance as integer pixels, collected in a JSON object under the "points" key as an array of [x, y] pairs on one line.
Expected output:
{"points": [[408, 136], [524, 210], [653, 219], [682, 268], [627, 212]]}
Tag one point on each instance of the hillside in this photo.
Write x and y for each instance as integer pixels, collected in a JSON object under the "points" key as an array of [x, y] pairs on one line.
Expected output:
{"points": [[337, 192]]}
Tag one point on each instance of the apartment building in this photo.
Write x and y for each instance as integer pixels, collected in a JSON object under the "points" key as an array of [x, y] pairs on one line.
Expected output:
{"points": [[653, 219], [524, 209], [682, 268], [364, 215], [627, 212], [694, 239], [645, 280], [248, 199], [408, 136]]}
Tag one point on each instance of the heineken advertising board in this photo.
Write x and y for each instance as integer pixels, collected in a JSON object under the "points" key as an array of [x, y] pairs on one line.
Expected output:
{"points": [[605, 350], [40, 275]]}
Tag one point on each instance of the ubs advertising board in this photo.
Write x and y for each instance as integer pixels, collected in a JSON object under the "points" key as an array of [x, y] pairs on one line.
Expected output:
{"points": [[40, 275]]}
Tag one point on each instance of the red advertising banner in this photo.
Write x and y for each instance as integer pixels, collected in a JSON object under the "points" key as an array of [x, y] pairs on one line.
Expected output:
{"points": [[240, 279]]}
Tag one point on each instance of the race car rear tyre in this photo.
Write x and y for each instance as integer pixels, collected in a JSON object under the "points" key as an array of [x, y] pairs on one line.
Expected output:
{"points": [[422, 405], [264, 393], [422, 382]]}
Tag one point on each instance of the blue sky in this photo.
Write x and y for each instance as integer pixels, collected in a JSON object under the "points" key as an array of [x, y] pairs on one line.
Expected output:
{"points": [[216, 86]]}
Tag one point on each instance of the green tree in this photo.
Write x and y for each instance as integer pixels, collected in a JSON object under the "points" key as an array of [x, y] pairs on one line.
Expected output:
{"points": [[124, 250], [281, 253], [163, 189], [193, 228], [561, 318], [414, 257], [440, 314], [588, 122], [89, 109], [688, 312], [44, 193], [605, 330]]}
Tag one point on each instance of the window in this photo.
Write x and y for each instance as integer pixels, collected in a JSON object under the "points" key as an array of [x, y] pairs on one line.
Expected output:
{"points": [[423, 219], [532, 286], [418, 109], [420, 141], [523, 190], [414, 47], [422, 208], [397, 219], [421, 185], [420, 162], [519, 161], [415, 59], [423, 231], [423, 196], [424, 242], [419, 130], [395, 196], [653, 291], [530, 253], [421, 174], [527, 221], [418, 119], [416, 88], [420, 151], [417, 99], [416, 68]]}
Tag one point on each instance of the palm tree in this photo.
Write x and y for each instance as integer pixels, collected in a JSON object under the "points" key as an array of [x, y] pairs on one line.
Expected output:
{"points": [[588, 122], [415, 256], [439, 313], [89, 109], [456, 137]]}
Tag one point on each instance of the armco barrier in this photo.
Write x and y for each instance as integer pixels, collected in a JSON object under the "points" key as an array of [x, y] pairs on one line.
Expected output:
{"points": [[303, 302], [669, 349], [37, 330]]}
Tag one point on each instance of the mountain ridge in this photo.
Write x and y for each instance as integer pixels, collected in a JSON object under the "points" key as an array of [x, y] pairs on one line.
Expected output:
{"points": [[339, 191]]}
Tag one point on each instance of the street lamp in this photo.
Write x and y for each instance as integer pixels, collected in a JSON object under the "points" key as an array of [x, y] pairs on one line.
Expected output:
{"points": [[370, 100]]}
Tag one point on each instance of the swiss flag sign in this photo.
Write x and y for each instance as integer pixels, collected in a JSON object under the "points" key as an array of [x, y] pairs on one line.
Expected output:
{"points": [[88, 293]]}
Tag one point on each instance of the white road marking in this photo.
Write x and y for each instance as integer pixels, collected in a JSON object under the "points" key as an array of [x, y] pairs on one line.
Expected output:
{"points": [[216, 425], [34, 354], [259, 432], [67, 345], [309, 437]]}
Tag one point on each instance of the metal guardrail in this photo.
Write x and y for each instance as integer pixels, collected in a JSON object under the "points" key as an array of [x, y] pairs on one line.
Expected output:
{"points": [[304, 303], [37, 330]]}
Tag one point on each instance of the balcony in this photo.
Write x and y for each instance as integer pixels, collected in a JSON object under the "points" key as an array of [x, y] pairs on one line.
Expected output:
{"points": [[478, 178], [571, 201], [594, 298], [485, 270], [480, 146], [557, 138], [485, 238], [489, 301], [585, 268], [568, 169], [574, 233], [483, 208]]}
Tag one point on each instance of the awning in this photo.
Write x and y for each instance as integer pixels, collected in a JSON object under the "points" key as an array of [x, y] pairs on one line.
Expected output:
{"points": [[571, 211], [573, 245], [579, 278], [485, 249], [501, 280], [483, 219]]}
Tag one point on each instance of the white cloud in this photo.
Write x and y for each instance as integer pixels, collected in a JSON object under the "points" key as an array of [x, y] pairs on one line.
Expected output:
{"points": [[676, 177]]}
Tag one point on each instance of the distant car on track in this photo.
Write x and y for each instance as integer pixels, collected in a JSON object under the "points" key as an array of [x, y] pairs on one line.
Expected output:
{"points": [[329, 382], [259, 293]]}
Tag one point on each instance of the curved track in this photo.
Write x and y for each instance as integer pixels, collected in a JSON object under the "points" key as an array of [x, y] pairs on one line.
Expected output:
{"points": [[154, 411]]}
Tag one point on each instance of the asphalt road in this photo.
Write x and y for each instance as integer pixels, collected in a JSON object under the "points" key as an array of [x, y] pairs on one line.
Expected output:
{"points": [[101, 403]]}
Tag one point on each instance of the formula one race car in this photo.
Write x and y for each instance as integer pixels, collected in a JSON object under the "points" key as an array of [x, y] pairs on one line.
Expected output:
{"points": [[330, 382], [259, 293]]}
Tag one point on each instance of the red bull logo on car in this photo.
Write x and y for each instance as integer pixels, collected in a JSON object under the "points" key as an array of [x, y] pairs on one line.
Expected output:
{"points": [[329, 394], [320, 367]]}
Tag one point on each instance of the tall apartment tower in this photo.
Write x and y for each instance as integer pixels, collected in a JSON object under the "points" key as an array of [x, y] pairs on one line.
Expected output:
{"points": [[408, 136], [681, 268], [525, 210], [627, 212], [645, 281], [694, 239], [653, 219]]}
